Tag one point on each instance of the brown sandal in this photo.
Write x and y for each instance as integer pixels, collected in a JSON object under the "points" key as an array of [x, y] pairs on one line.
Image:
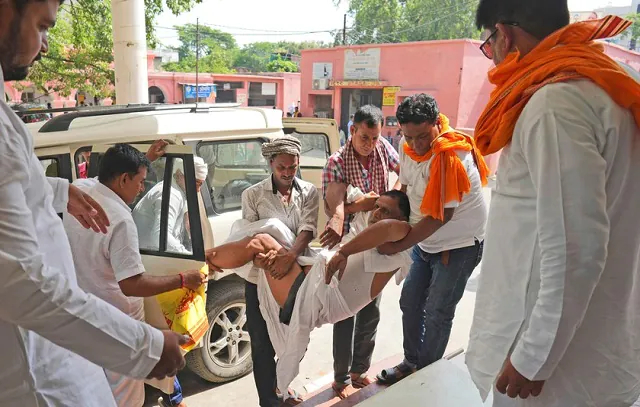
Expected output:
{"points": [[360, 381]]}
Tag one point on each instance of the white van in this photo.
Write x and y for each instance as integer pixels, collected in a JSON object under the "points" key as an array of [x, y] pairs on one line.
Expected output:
{"points": [[228, 138]]}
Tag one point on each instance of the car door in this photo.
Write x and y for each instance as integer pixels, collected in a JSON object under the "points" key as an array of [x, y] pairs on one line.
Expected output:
{"points": [[55, 161]]}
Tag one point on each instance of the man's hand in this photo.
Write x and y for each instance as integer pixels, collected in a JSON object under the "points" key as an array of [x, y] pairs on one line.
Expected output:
{"points": [[337, 263], [156, 150], [332, 234], [513, 384], [210, 255], [265, 260], [368, 202], [282, 265], [171, 360], [86, 210], [193, 279]]}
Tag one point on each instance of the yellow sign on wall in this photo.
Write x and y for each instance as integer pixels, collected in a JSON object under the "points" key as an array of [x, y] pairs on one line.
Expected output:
{"points": [[389, 95]]}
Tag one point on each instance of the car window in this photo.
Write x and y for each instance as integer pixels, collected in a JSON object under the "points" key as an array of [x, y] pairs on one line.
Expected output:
{"points": [[315, 149], [82, 160], [50, 166], [147, 210], [233, 167]]}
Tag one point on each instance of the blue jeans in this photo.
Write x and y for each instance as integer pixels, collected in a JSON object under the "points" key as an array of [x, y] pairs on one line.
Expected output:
{"points": [[429, 298], [176, 397]]}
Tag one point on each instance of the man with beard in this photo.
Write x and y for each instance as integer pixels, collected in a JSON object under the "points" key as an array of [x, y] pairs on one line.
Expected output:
{"points": [[295, 202], [556, 321], [50, 330]]}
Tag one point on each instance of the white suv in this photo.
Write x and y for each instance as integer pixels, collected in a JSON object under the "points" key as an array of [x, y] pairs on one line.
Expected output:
{"points": [[228, 138]]}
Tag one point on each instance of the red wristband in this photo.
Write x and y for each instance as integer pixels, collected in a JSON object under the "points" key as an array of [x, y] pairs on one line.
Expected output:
{"points": [[181, 280]]}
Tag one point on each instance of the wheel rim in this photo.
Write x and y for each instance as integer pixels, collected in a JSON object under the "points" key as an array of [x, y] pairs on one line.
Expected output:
{"points": [[227, 339]]}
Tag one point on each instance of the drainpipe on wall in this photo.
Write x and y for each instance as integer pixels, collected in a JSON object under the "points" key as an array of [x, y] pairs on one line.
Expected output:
{"points": [[130, 51]]}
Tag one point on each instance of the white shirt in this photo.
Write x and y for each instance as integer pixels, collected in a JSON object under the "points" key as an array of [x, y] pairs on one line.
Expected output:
{"points": [[39, 296], [263, 201], [114, 257], [559, 288], [469, 217], [146, 215]]}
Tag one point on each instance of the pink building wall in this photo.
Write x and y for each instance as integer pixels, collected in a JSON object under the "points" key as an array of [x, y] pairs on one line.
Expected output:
{"points": [[447, 70], [170, 83]]}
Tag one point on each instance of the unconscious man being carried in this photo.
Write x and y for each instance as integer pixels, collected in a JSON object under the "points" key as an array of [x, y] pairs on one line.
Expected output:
{"points": [[311, 295]]}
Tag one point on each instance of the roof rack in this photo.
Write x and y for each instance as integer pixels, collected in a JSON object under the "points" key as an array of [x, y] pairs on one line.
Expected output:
{"points": [[63, 122]]}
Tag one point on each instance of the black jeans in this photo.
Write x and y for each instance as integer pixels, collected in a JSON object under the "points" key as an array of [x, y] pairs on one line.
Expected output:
{"points": [[353, 342], [262, 353]]}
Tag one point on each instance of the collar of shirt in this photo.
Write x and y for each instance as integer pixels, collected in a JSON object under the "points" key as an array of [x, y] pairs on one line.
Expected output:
{"points": [[271, 186], [108, 193]]}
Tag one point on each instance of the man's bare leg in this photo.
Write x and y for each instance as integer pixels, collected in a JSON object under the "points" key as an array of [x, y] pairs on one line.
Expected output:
{"points": [[236, 254]]}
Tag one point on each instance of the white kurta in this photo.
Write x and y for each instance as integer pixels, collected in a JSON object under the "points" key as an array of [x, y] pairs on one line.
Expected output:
{"points": [[559, 288], [147, 218], [102, 261], [316, 302], [39, 296]]}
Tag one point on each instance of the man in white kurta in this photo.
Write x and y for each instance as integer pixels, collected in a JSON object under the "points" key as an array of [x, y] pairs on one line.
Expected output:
{"points": [[42, 310], [556, 317], [146, 213]]}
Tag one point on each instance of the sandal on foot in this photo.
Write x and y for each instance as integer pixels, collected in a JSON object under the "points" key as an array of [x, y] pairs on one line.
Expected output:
{"points": [[340, 389], [360, 381], [395, 374], [293, 398]]}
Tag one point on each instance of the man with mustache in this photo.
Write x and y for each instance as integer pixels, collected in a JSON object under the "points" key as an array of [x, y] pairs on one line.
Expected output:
{"points": [[556, 321], [295, 202], [363, 162], [54, 336]]}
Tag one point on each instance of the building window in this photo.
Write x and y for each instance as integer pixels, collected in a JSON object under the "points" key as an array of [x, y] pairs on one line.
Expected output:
{"points": [[262, 94]]}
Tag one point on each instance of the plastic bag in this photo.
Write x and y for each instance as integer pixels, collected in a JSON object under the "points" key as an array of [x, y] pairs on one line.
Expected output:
{"points": [[185, 312]]}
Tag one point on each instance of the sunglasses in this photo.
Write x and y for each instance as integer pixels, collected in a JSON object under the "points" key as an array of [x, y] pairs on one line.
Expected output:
{"points": [[485, 47]]}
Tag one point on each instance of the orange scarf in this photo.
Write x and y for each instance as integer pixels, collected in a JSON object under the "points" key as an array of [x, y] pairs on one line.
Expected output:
{"points": [[448, 179], [567, 54]]}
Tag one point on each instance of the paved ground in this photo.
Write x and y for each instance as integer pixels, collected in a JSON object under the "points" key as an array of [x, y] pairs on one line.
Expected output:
{"points": [[316, 368]]}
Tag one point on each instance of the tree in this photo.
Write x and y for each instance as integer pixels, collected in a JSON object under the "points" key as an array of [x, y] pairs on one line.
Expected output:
{"points": [[217, 50], [633, 32], [281, 65], [256, 57], [393, 21], [81, 46]]}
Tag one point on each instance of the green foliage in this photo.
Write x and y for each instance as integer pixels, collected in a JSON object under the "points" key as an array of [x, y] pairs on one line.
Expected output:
{"points": [[81, 46], [633, 32], [281, 65], [216, 49], [393, 21], [256, 56]]}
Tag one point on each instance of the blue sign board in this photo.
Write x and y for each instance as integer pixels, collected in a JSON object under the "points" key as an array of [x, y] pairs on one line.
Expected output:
{"points": [[204, 91]]}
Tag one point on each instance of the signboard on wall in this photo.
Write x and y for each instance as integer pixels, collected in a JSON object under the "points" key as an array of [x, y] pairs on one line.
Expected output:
{"points": [[268, 89], [357, 84], [362, 64], [322, 70], [204, 91], [389, 95]]}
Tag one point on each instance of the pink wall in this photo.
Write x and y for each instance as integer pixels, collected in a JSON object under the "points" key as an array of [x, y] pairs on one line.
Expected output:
{"points": [[475, 88], [431, 67]]}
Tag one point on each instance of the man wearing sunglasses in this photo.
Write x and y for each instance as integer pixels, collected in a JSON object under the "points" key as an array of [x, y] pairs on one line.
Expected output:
{"points": [[556, 319]]}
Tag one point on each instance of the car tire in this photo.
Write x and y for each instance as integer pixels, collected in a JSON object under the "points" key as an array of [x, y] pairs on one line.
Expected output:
{"points": [[226, 351]]}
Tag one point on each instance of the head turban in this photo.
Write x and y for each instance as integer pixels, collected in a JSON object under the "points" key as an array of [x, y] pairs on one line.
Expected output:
{"points": [[281, 145]]}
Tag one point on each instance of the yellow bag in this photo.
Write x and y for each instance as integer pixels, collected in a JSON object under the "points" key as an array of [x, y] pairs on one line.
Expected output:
{"points": [[185, 312]]}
